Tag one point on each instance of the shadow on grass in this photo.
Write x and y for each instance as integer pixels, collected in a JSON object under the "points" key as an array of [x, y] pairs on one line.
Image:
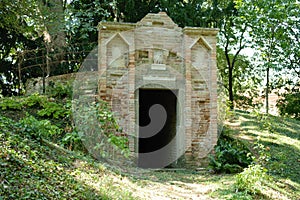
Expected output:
{"points": [[30, 170], [281, 136], [287, 127]]}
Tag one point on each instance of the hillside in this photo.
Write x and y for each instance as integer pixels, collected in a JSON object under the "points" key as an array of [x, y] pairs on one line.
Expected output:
{"points": [[31, 167]]}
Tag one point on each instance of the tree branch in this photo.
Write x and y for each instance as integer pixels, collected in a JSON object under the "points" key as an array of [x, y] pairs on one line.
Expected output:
{"points": [[241, 45]]}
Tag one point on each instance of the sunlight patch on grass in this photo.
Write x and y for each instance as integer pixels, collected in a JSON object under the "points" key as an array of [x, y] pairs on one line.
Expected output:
{"points": [[281, 139], [246, 137], [279, 190], [110, 185], [157, 185], [266, 136], [284, 140]]}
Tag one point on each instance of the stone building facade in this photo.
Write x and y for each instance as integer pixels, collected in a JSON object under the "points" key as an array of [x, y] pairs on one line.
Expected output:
{"points": [[156, 72]]}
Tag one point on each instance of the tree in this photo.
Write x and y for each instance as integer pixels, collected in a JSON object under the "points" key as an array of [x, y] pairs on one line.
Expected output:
{"points": [[246, 79], [290, 45], [270, 33], [233, 31], [16, 35], [200, 13], [50, 24], [81, 27]]}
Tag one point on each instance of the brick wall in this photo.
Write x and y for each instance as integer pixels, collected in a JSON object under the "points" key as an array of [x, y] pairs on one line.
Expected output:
{"points": [[156, 53]]}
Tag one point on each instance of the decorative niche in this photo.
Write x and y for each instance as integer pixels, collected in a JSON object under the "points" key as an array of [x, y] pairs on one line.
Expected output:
{"points": [[200, 52], [117, 52]]}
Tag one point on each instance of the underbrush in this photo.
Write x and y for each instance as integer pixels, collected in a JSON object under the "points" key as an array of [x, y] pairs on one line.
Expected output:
{"points": [[252, 180], [264, 153], [231, 155], [30, 169], [50, 117]]}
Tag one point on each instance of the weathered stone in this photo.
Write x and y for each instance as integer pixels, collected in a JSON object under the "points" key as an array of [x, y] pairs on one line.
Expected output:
{"points": [[156, 53]]}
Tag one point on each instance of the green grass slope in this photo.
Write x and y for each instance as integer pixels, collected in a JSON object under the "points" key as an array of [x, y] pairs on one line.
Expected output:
{"points": [[281, 138], [32, 169], [29, 169]]}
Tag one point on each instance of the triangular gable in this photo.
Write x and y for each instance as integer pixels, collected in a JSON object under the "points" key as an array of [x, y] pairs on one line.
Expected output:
{"points": [[201, 40], [115, 36]]}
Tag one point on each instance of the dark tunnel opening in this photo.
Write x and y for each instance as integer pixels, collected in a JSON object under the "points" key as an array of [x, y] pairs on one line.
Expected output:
{"points": [[168, 100]]}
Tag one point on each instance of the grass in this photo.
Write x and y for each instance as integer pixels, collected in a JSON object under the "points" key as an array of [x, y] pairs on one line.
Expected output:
{"points": [[280, 138], [30, 169]]}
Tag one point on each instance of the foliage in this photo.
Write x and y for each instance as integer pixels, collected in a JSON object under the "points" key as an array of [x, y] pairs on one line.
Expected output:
{"points": [[110, 127], [85, 17], [10, 104], [31, 170], [231, 155], [81, 28], [15, 35], [184, 13], [99, 127], [60, 90], [232, 40], [73, 141], [271, 29], [18, 103], [59, 104], [245, 80], [34, 101], [252, 179], [37, 128], [39, 107], [289, 105], [54, 110], [263, 155], [45, 105]]}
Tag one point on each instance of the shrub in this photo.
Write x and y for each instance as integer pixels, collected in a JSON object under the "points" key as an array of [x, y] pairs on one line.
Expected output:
{"points": [[231, 155], [109, 124], [34, 100], [18, 103], [73, 140], [38, 129], [54, 110], [11, 104], [251, 179], [99, 127], [60, 90], [289, 105]]}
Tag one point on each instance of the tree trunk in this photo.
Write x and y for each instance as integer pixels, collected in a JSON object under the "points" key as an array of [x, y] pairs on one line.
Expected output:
{"points": [[19, 73], [47, 60], [267, 90], [230, 88], [43, 70]]}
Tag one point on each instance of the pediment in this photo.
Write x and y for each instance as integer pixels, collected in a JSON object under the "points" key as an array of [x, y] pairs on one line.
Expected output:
{"points": [[201, 41]]}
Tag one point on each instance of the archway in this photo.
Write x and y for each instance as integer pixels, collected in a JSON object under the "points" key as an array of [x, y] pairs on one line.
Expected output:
{"points": [[150, 141]]}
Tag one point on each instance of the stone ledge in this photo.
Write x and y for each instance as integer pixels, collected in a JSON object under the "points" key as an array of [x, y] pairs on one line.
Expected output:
{"points": [[200, 31], [157, 78], [116, 26], [161, 67]]}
